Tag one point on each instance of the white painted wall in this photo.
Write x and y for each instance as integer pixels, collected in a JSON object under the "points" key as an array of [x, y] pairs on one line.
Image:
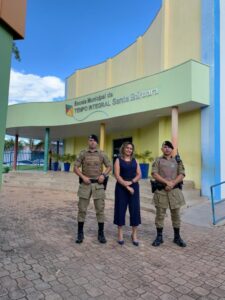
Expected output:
{"points": [[222, 92]]}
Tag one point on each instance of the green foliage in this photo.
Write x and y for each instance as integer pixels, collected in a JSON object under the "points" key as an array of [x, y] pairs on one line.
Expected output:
{"points": [[144, 157], [29, 167], [39, 146], [16, 52], [55, 157], [68, 158], [9, 145], [30, 144], [6, 169], [35, 145]]}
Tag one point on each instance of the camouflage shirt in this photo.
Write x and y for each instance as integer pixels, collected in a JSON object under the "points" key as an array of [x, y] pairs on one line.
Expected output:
{"points": [[92, 162], [168, 169]]}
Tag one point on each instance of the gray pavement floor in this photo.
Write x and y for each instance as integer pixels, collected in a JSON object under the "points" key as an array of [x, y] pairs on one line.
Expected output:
{"points": [[40, 260]]}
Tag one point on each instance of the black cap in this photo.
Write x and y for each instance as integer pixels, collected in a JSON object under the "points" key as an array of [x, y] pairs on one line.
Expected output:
{"points": [[168, 144], [93, 137]]}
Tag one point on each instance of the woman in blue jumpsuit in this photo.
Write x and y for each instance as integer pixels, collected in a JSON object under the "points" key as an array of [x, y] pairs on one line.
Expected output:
{"points": [[127, 172]]}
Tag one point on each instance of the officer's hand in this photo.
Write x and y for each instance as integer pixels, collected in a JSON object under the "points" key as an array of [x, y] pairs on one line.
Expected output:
{"points": [[170, 184], [86, 180], [101, 179], [168, 188]]}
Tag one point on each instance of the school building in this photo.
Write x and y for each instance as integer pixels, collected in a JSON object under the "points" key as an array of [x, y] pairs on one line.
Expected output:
{"points": [[12, 27], [167, 85]]}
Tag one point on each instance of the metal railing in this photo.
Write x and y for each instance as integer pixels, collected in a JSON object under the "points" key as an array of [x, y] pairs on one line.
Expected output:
{"points": [[24, 158], [215, 203]]}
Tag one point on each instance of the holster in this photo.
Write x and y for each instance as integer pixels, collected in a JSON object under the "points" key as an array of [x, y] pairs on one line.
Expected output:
{"points": [[156, 185]]}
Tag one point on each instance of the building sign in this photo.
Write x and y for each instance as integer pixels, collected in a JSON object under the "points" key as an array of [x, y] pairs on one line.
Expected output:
{"points": [[180, 86], [105, 101]]}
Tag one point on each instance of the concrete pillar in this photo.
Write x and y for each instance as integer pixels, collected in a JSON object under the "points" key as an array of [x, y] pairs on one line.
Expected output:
{"points": [[15, 151], [46, 149], [102, 136], [162, 133], [174, 128]]}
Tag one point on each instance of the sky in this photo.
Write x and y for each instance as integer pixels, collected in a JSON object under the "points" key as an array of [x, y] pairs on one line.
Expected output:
{"points": [[63, 36]]}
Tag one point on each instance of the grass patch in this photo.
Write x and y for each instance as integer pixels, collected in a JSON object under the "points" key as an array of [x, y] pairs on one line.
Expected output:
{"points": [[24, 168]]}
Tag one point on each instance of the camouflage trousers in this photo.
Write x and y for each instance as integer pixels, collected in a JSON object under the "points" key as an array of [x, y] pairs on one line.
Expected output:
{"points": [[85, 192], [160, 216], [174, 200]]}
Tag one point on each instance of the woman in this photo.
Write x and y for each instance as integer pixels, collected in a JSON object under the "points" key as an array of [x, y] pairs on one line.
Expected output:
{"points": [[127, 172]]}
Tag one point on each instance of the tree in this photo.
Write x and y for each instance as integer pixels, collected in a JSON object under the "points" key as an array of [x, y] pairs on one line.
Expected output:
{"points": [[35, 145], [39, 146], [16, 52], [9, 145]]}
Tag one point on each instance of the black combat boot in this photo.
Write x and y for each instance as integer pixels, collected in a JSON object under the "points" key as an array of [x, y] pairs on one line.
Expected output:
{"points": [[80, 233], [159, 238], [101, 236], [177, 239]]}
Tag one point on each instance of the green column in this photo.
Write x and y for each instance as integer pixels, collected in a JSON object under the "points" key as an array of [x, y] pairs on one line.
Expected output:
{"points": [[46, 149], [5, 64]]}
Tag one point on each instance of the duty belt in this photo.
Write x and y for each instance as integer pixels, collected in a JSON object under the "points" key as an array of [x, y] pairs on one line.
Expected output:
{"points": [[96, 181], [156, 185], [93, 180]]}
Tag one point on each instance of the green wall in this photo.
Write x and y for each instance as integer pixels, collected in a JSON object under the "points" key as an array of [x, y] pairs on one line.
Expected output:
{"points": [[181, 85], [5, 63]]}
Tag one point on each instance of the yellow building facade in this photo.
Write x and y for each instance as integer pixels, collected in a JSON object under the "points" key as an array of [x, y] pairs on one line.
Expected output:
{"points": [[167, 85], [167, 43]]}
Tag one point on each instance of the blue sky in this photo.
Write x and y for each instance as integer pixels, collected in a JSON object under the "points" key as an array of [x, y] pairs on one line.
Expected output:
{"points": [[64, 36]]}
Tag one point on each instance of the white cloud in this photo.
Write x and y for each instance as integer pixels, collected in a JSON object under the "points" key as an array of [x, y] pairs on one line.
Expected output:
{"points": [[33, 88]]}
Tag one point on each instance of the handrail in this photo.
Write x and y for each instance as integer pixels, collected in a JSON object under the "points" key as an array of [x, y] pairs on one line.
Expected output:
{"points": [[212, 186], [214, 220]]}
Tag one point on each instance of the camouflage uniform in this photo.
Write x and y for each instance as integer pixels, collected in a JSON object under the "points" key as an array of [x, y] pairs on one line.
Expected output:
{"points": [[92, 163], [174, 199]]}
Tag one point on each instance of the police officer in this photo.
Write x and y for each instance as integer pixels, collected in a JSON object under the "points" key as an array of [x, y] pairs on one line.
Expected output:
{"points": [[91, 176], [169, 173]]}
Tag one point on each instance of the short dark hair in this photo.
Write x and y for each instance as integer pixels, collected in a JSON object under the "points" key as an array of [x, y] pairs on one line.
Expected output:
{"points": [[93, 137], [168, 144]]}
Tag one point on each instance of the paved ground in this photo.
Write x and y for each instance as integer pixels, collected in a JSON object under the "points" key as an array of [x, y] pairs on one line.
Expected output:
{"points": [[39, 259]]}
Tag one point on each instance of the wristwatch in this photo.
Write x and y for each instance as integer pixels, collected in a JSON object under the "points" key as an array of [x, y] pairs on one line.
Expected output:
{"points": [[103, 174]]}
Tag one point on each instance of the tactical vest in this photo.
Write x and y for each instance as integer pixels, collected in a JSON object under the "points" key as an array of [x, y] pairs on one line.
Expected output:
{"points": [[168, 169], [92, 164]]}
